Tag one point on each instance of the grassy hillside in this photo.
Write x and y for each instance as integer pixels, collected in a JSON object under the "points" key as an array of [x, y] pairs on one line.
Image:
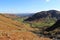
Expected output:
{"points": [[13, 30], [44, 19]]}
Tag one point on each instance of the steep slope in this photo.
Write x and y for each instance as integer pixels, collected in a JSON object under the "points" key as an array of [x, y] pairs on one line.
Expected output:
{"points": [[8, 22], [13, 30]]}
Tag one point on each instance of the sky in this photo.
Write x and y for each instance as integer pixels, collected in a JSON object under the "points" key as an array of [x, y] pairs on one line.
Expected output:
{"points": [[28, 6]]}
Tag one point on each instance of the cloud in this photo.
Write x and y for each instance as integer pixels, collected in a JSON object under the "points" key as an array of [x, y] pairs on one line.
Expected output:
{"points": [[47, 0]]}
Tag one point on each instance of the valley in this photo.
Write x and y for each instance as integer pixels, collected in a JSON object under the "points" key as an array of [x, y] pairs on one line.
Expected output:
{"points": [[14, 27]]}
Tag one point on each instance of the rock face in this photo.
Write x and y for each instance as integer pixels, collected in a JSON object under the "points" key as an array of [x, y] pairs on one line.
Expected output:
{"points": [[45, 14], [56, 25]]}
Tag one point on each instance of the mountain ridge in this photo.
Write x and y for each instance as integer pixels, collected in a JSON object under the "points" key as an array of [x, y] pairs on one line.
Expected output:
{"points": [[44, 14]]}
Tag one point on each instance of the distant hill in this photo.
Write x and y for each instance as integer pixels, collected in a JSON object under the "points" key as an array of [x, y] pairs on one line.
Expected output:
{"points": [[24, 14], [54, 14]]}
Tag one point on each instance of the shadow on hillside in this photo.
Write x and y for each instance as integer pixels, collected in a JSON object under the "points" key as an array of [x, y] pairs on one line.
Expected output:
{"points": [[50, 32], [53, 27]]}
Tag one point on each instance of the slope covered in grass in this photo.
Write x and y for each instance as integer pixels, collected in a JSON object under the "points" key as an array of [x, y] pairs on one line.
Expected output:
{"points": [[13, 30]]}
